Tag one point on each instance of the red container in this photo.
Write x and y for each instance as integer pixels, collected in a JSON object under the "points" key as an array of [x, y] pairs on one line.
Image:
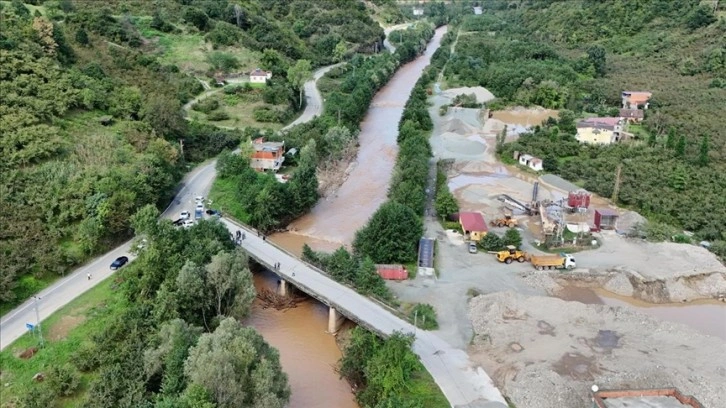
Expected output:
{"points": [[392, 272], [578, 199]]}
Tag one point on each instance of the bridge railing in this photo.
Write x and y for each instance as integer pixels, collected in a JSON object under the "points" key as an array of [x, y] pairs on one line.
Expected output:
{"points": [[312, 293]]}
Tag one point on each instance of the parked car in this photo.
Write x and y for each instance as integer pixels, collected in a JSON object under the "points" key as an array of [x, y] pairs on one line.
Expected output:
{"points": [[119, 262], [184, 215], [178, 222], [199, 199], [214, 213], [472, 248], [188, 223]]}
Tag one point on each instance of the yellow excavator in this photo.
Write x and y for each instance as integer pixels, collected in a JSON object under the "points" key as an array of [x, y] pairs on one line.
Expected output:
{"points": [[511, 254]]}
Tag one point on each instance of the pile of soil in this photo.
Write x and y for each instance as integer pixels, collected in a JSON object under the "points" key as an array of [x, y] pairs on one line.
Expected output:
{"points": [[482, 94], [546, 353]]}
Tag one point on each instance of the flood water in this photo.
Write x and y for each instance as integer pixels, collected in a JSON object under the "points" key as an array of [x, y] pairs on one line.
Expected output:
{"points": [[337, 218], [307, 352], [706, 316]]}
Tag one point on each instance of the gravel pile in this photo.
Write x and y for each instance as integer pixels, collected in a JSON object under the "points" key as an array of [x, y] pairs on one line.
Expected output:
{"points": [[546, 353], [482, 94]]}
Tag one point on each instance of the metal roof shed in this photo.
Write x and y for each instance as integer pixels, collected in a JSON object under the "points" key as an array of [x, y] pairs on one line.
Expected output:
{"points": [[605, 218]]}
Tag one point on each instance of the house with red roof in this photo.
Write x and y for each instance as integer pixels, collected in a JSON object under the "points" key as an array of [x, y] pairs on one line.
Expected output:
{"points": [[473, 225], [267, 155], [635, 99]]}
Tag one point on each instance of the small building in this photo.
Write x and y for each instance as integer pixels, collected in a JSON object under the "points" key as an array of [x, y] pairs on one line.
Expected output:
{"points": [[530, 161], [600, 130], [267, 155], [635, 99], [259, 76], [477, 11], [392, 272], [632, 115], [418, 11], [665, 398], [605, 219], [473, 225]]}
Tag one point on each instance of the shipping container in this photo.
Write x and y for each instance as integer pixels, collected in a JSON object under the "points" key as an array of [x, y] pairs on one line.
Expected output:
{"points": [[578, 199], [392, 272]]}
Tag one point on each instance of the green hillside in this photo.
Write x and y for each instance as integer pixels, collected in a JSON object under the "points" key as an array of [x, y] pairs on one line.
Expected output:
{"points": [[579, 56], [91, 115]]}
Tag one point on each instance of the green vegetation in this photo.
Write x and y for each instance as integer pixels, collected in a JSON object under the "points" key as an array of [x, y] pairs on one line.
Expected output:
{"points": [[446, 203], [159, 334], [386, 373], [423, 316], [673, 171], [358, 272]]}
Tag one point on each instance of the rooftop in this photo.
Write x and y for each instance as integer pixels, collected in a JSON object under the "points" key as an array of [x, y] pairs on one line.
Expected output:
{"points": [[593, 122], [644, 402], [607, 212], [631, 113], [472, 221], [262, 146]]}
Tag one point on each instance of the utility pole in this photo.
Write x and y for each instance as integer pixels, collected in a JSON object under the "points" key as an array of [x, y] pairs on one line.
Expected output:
{"points": [[37, 319], [181, 147], [616, 188]]}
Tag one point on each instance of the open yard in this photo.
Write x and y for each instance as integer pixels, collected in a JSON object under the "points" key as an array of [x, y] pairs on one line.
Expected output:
{"points": [[64, 333]]}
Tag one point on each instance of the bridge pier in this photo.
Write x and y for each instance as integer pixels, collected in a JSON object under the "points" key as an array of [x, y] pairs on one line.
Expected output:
{"points": [[335, 320], [282, 289]]}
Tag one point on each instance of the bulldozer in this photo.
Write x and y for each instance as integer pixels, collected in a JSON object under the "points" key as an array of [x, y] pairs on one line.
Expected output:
{"points": [[511, 254], [506, 221]]}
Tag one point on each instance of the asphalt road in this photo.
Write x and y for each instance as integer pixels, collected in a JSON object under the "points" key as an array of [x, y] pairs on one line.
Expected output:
{"points": [[197, 182], [463, 384]]}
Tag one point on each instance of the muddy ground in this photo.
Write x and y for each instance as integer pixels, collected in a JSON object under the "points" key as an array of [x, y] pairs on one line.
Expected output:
{"points": [[544, 352]]}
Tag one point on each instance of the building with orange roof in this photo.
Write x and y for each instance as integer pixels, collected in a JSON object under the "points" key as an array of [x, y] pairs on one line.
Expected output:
{"points": [[267, 155], [635, 99]]}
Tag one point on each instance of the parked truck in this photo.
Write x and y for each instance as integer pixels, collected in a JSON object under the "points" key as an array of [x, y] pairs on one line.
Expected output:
{"points": [[561, 261], [540, 262]]}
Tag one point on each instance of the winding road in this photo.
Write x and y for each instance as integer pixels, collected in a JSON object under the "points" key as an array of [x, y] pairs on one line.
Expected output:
{"points": [[197, 182]]}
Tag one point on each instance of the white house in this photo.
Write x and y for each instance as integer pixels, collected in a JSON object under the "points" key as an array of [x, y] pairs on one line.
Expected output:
{"points": [[259, 76], [418, 11], [530, 161], [477, 11]]}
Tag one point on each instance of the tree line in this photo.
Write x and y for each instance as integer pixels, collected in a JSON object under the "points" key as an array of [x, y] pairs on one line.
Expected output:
{"points": [[171, 335]]}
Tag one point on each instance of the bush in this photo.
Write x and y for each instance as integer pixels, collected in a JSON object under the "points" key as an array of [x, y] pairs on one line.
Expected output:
{"points": [[86, 358], [491, 242], [63, 380], [39, 396], [266, 114], [423, 316], [512, 237], [206, 105], [217, 116]]}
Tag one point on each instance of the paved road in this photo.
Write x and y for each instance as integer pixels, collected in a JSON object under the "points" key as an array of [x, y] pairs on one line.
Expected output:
{"points": [[387, 44], [313, 99], [197, 182], [462, 384]]}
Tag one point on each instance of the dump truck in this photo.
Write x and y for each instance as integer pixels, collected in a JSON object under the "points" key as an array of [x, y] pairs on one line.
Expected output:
{"points": [[506, 221], [511, 254], [561, 261]]}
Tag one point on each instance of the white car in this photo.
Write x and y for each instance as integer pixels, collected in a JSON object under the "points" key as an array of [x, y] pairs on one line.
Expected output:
{"points": [[185, 215], [188, 223], [199, 199]]}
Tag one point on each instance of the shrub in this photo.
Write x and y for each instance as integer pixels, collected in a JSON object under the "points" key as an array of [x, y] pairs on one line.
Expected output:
{"points": [[39, 396], [63, 380], [491, 242], [217, 116], [512, 237], [206, 105], [423, 316], [86, 358]]}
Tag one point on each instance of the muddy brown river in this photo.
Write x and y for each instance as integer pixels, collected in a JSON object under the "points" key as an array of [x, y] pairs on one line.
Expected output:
{"points": [[334, 220], [307, 352]]}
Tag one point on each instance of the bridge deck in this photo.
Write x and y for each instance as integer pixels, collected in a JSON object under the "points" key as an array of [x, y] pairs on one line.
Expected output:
{"points": [[463, 384]]}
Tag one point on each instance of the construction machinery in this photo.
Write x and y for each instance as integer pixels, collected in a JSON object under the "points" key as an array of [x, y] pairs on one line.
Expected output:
{"points": [[511, 254], [540, 262], [506, 221], [561, 261]]}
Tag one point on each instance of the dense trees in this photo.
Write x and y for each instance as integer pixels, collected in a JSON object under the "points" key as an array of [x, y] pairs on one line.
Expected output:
{"points": [[391, 235]]}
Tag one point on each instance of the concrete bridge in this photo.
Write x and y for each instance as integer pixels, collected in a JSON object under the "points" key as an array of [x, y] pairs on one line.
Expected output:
{"points": [[463, 384]]}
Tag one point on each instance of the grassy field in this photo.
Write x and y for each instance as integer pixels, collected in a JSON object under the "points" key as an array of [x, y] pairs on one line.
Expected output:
{"points": [[240, 109], [64, 332]]}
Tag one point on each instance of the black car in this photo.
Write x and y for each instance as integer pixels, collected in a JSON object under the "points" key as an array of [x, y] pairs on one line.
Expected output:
{"points": [[119, 262], [178, 222]]}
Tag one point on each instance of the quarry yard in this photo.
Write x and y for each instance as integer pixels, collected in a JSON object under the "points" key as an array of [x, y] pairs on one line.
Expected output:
{"points": [[536, 347]]}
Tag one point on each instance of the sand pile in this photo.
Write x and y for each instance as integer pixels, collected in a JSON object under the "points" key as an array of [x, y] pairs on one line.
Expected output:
{"points": [[460, 145], [482, 94], [456, 125], [547, 353]]}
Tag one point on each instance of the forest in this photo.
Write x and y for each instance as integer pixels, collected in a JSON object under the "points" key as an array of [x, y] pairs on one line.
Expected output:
{"points": [[578, 56], [91, 117]]}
